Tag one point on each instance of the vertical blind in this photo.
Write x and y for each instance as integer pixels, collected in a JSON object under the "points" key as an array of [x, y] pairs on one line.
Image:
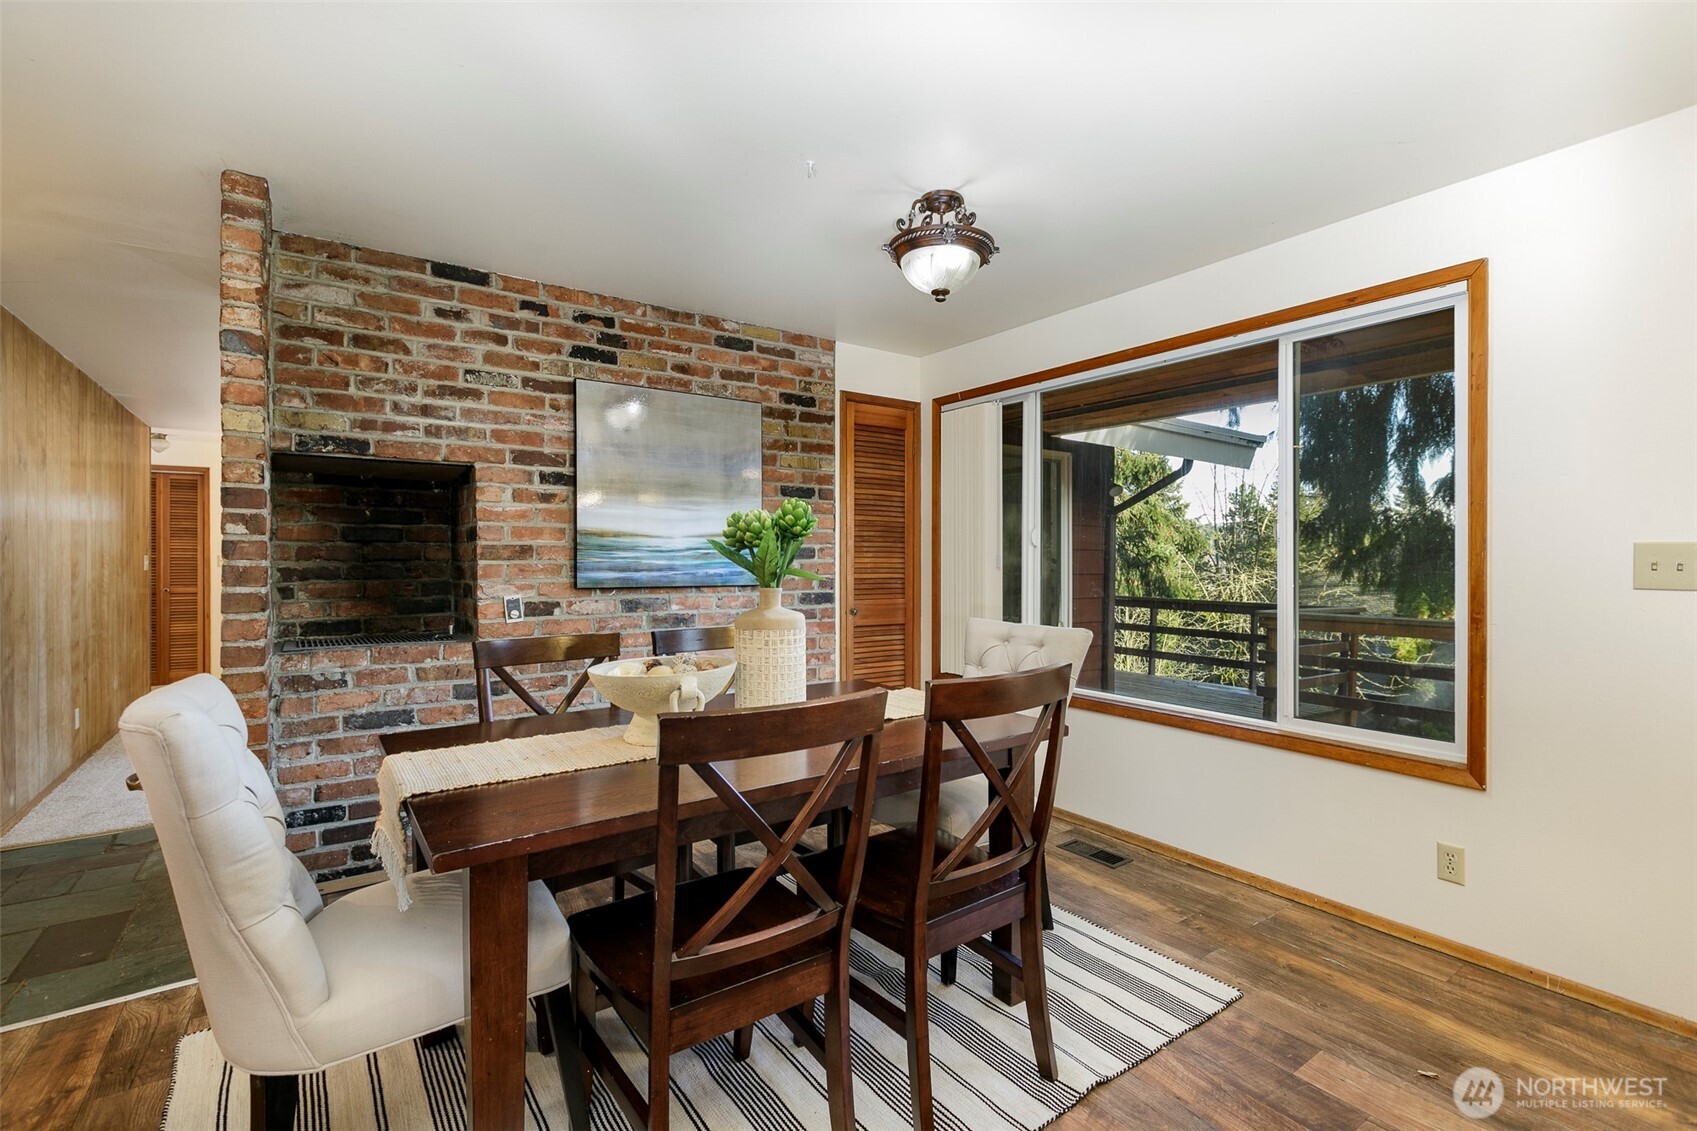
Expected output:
{"points": [[971, 525]]}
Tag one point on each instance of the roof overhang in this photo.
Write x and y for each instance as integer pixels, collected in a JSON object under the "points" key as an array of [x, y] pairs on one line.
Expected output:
{"points": [[1185, 439]]}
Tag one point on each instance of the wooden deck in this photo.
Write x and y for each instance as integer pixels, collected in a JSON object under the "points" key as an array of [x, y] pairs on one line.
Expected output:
{"points": [[1237, 701]]}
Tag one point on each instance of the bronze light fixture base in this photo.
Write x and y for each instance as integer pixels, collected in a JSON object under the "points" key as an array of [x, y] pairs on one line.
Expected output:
{"points": [[939, 219]]}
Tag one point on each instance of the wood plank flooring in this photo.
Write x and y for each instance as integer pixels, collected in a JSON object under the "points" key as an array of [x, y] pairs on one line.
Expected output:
{"points": [[1336, 1026]]}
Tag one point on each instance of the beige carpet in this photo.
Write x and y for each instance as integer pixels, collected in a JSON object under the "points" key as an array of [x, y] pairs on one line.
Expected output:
{"points": [[91, 801]]}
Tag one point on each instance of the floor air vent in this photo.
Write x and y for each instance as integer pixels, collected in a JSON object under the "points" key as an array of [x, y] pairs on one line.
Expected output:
{"points": [[1095, 852]]}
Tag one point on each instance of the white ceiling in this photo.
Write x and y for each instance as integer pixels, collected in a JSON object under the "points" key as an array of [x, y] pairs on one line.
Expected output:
{"points": [[657, 152]]}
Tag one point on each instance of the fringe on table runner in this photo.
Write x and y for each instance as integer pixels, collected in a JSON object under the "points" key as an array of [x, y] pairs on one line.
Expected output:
{"points": [[456, 767]]}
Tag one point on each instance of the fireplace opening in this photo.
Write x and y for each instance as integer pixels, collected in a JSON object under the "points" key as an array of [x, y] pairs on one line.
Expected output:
{"points": [[370, 551]]}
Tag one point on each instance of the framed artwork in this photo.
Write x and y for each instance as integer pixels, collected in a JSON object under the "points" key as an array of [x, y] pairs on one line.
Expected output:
{"points": [[657, 472]]}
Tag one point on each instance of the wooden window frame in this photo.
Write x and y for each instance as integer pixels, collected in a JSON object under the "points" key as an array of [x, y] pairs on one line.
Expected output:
{"points": [[1468, 773]]}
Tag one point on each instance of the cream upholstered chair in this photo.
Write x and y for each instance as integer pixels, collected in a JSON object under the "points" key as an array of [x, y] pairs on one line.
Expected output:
{"points": [[993, 647], [291, 985]]}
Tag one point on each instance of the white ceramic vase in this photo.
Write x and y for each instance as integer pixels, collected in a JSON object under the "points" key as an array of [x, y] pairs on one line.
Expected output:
{"points": [[771, 653]]}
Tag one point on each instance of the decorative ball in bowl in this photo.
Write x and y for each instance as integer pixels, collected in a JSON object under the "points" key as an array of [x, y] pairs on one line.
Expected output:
{"points": [[656, 684]]}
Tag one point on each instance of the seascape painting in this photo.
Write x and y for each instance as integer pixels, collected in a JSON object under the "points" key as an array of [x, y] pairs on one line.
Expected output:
{"points": [[657, 472]]}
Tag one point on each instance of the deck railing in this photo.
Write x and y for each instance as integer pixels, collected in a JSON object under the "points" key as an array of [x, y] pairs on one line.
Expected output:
{"points": [[1235, 646], [1344, 665]]}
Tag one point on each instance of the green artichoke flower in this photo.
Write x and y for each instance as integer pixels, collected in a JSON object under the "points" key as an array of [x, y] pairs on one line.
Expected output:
{"points": [[795, 519], [744, 529], [765, 544]]}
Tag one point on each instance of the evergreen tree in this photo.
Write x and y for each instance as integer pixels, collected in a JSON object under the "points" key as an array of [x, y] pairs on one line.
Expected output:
{"points": [[1375, 518], [1158, 546]]}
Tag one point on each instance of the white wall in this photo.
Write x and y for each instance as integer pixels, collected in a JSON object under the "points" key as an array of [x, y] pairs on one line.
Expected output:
{"points": [[203, 449], [861, 369], [1582, 856]]}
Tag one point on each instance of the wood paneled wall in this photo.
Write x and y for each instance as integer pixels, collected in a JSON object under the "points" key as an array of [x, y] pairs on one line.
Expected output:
{"points": [[73, 543]]}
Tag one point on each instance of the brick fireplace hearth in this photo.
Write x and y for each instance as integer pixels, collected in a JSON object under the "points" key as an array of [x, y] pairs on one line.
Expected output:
{"points": [[377, 359]]}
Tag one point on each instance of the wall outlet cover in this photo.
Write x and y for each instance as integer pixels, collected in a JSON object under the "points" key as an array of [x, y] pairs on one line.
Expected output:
{"points": [[514, 607], [1452, 863]]}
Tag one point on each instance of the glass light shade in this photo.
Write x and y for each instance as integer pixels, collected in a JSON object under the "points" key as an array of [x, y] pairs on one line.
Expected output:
{"points": [[941, 267]]}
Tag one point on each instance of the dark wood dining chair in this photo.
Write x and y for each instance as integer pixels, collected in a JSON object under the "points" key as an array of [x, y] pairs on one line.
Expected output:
{"points": [[927, 892], [690, 962], [676, 641], [719, 638], [494, 657]]}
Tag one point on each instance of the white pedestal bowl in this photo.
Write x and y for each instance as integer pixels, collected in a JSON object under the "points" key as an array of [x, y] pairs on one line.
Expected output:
{"points": [[648, 695]]}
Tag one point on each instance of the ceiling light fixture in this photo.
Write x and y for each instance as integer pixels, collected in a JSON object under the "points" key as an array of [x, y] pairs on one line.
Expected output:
{"points": [[161, 441], [936, 245]]}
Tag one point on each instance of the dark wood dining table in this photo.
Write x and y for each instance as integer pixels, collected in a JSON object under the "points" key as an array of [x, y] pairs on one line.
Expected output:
{"points": [[586, 824]]}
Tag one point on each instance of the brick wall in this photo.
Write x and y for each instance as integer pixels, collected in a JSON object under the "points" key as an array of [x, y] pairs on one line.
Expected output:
{"points": [[244, 347], [374, 353]]}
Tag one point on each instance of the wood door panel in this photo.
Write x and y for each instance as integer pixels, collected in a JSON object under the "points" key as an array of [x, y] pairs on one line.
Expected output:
{"points": [[180, 595], [880, 566]]}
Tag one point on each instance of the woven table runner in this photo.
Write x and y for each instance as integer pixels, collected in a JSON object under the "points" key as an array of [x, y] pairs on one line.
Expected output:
{"points": [[510, 759], [455, 767], [904, 703]]}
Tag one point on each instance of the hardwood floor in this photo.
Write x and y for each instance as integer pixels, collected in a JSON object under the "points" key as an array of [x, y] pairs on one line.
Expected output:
{"points": [[1336, 1026]]}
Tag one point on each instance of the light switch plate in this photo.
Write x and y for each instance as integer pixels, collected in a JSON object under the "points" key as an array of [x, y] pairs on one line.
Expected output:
{"points": [[514, 607], [1664, 565]]}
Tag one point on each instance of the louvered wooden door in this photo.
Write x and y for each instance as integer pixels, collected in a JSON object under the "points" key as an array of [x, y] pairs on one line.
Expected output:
{"points": [[880, 566], [180, 581]]}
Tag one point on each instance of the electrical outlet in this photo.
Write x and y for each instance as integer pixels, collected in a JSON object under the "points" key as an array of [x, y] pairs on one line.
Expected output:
{"points": [[1452, 863], [515, 608], [1664, 565]]}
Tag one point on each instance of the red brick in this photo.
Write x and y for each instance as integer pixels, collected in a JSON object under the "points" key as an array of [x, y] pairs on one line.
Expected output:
{"points": [[497, 359], [317, 335], [347, 316], [238, 366], [313, 771], [342, 790], [241, 264], [243, 184], [238, 237], [414, 328], [428, 288], [395, 304], [317, 248], [390, 260], [489, 300]]}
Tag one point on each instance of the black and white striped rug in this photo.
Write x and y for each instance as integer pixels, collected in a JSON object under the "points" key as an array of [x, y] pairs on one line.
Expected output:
{"points": [[1113, 1004]]}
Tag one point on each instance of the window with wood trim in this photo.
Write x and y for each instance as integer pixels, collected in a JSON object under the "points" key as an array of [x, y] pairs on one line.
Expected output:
{"points": [[1275, 528]]}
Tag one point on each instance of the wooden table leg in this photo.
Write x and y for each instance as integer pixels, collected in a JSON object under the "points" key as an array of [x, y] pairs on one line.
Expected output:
{"points": [[496, 937]]}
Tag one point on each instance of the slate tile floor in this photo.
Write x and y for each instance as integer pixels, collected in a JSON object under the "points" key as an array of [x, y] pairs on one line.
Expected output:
{"points": [[83, 921]]}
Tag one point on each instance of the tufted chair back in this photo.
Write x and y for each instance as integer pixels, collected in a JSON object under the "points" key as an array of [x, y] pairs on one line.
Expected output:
{"points": [[244, 899], [995, 647]]}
